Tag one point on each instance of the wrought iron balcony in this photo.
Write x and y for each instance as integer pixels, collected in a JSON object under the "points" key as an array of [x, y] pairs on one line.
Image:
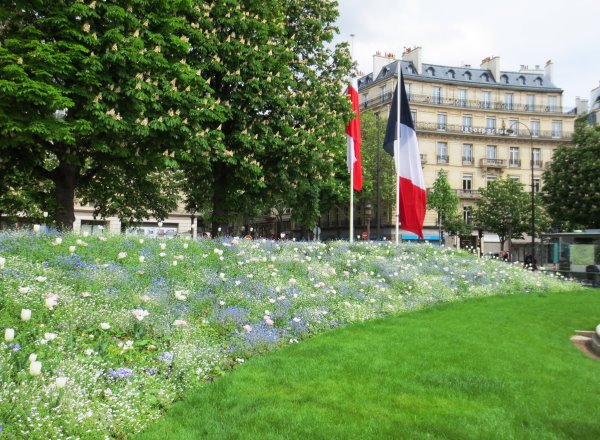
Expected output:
{"points": [[467, 103], [467, 160], [484, 131], [443, 159], [514, 163], [536, 164]]}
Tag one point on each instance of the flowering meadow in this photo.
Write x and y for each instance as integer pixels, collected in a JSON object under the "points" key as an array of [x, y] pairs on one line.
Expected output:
{"points": [[102, 334]]}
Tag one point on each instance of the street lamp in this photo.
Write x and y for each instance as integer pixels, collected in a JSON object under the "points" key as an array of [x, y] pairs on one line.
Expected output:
{"points": [[192, 218], [510, 131], [378, 212]]}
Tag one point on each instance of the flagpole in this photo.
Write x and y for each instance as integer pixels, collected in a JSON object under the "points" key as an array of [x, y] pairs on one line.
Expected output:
{"points": [[351, 216], [397, 155]]}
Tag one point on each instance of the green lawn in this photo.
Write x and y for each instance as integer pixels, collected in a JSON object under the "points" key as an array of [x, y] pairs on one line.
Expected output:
{"points": [[491, 368]]}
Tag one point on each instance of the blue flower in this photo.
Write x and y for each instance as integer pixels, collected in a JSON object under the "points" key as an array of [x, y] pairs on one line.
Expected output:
{"points": [[14, 347], [121, 373]]}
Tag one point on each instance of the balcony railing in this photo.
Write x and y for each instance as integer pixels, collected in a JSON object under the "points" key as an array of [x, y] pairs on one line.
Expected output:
{"points": [[443, 159], [484, 131], [493, 163], [536, 164], [423, 159], [467, 103], [467, 160], [514, 163], [467, 193]]}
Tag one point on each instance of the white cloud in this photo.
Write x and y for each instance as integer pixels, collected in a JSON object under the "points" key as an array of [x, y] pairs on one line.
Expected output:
{"points": [[458, 32]]}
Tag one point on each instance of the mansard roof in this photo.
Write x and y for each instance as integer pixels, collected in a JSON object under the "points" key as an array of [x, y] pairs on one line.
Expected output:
{"points": [[464, 75]]}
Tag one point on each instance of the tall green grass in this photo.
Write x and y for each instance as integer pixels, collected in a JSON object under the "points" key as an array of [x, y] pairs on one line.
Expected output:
{"points": [[488, 368]]}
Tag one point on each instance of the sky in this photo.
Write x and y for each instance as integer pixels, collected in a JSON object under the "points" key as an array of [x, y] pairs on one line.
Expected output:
{"points": [[461, 32]]}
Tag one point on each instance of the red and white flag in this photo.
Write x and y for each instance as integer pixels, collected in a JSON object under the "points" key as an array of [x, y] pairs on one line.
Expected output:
{"points": [[353, 137], [407, 159]]}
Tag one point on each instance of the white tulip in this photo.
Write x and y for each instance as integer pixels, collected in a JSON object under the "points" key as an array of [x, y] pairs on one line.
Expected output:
{"points": [[35, 368], [61, 382], [25, 314], [9, 334], [32, 357]]}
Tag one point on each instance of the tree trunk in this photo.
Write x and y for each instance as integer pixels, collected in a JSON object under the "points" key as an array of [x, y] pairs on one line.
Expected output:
{"points": [[219, 211], [65, 180]]}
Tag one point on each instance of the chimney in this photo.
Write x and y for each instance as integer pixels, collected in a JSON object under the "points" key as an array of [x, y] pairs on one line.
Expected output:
{"points": [[549, 71], [493, 65], [414, 55], [380, 61], [582, 106]]}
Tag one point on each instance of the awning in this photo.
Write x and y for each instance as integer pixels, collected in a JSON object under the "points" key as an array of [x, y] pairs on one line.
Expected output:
{"points": [[491, 238], [416, 237]]}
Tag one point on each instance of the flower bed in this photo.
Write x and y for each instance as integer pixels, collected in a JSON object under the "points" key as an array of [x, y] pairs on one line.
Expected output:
{"points": [[102, 334]]}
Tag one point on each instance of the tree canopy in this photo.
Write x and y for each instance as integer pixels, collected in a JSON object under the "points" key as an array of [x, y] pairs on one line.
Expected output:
{"points": [[504, 209], [130, 104], [572, 183]]}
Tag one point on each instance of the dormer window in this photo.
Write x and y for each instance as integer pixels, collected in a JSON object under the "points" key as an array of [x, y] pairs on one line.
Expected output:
{"points": [[467, 75], [430, 71], [485, 77], [450, 74], [504, 79], [521, 80], [538, 81]]}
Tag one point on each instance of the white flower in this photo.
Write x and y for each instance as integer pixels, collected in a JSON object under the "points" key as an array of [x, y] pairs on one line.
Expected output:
{"points": [[145, 298], [140, 314], [61, 382], [141, 241], [162, 254], [247, 328], [218, 251], [268, 321], [272, 300], [72, 249], [222, 302], [40, 279], [141, 258], [50, 336], [25, 314], [179, 322], [35, 368], [181, 295], [107, 392], [163, 246], [121, 255], [85, 294], [292, 281], [36, 228], [24, 289], [174, 262], [89, 351], [104, 325], [9, 334], [32, 357], [51, 300], [185, 245]]}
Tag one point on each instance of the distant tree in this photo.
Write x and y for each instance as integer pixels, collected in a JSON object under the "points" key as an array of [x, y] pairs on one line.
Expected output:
{"points": [[442, 199], [571, 188], [504, 209]]}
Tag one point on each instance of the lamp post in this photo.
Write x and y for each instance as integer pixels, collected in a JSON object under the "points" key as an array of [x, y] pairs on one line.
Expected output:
{"points": [[510, 131], [378, 171], [368, 213], [192, 219]]}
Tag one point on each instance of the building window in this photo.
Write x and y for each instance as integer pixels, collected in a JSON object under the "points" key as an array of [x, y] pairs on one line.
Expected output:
{"points": [[467, 182], [441, 121], [93, 227], [467, 123], [552, 103], [556, 129], [536, 155], [513, 159], [536, 184], [442, 152], [467, 154], [382, 92], [514, 177], [408, 88], [490, 152], [462, 98], [487, 99], [535, 128], [468, 215], [490, 123], [530, 107], [413, 113], [437, 95], [513, 124], [365, 99], [490, 179], [509, 101]]}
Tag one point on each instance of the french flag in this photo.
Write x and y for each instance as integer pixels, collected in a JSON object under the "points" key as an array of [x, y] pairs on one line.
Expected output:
{"points": [[407, 159], [353, 137]]}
